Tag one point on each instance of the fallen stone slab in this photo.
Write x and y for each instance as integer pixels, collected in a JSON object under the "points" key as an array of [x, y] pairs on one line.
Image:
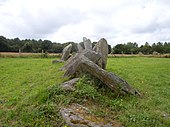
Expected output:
{"points": [[79, 116], [57, 61], [69, 85], [73, 62], [94, 63], [114, 82]]}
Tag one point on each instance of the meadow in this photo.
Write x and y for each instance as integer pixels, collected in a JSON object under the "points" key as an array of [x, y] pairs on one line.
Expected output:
{"points": [[30, 92]]}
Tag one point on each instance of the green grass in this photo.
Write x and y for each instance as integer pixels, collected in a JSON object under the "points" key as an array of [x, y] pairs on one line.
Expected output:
{"points": [[30, 92], [152, 77], [23, 84]]}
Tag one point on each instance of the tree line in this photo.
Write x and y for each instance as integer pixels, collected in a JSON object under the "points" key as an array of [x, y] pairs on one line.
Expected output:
{"points": [[37, 46], [32, 45], [133, 48]]}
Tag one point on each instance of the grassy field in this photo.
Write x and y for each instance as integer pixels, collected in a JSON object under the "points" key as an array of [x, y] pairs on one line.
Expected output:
{"points": [[30, 92], [54, 55], [28, 55]]}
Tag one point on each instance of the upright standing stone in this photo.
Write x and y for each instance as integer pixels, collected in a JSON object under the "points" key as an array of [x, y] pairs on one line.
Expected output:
{"points": [[102, 48], [87, 43], [66, 52], [80, 48]]}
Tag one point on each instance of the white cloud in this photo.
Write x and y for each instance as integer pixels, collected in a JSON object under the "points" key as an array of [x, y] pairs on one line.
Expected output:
{"points": [[70, 20]]}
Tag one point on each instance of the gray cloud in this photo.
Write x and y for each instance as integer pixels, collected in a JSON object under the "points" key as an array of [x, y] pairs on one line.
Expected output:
{"points": [[66, 20], [42, 23], [150, 28]]}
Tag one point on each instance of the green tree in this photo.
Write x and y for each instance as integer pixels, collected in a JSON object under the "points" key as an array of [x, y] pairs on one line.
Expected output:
{"points": [[132, 48], [146, 49], [167, 47], [45, 45], [159, 47], [27, 47], [4, 46], [119, 49], [56, 48]]}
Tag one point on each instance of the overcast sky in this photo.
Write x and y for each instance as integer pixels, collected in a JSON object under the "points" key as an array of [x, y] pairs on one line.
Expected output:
{"points": [[119, 21]]}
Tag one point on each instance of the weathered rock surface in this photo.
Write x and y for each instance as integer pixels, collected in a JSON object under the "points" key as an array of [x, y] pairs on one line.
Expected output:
{"points": [[73, 61], [80, 48], [69, 85], [166, 115], [102, 48], [57, 61], [94, 63], [95, 47], [78, 116], [66, 52], [115, 83], [87, 43]]}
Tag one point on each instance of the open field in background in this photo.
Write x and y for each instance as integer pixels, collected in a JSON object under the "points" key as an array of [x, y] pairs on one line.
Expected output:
{"points": [[34, 55], [53, 55], [30, 93]]}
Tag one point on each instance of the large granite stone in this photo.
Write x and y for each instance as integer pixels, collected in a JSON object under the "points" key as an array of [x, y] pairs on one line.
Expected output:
{"points": [[66, 52]]}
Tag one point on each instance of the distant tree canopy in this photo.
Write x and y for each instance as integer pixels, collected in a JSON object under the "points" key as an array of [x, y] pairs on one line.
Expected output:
{"points": [[37, 46], [132, 48], [28, 45]]}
